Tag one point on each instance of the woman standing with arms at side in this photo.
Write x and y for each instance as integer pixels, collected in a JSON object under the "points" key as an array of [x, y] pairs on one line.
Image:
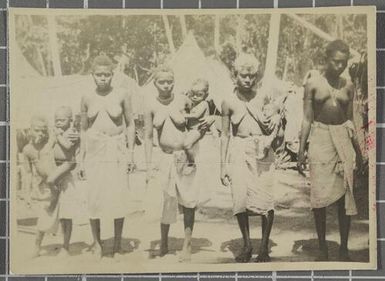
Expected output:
{"points": [[107, 142]]}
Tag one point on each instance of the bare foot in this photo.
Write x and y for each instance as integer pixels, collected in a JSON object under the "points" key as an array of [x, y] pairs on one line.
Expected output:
{"points": [[185, 255], [35, 252], [263, 257], [95, 250], [63, 253], [344, 255], [163, 250], [245, 255]]}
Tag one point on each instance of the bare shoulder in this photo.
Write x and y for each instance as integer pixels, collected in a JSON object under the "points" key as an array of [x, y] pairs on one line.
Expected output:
{"points": [[313, 82]]}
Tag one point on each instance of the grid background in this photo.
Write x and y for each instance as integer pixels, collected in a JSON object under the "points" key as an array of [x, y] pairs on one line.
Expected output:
{"points": [[347, 275]]}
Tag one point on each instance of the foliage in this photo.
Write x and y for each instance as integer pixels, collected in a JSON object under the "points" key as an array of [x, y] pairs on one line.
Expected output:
{"points": [[143, 41]]}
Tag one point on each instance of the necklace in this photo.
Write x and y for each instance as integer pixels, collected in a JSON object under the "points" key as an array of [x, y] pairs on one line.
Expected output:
{"points": [[334, 91], [165, 101]]}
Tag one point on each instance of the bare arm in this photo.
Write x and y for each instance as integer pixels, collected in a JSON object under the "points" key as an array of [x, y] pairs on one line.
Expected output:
{"points": [[225, 138], [197, 112], [130, 124], [83, 130], [308, 116], [27, 165], [148, 136], [64, 142]]}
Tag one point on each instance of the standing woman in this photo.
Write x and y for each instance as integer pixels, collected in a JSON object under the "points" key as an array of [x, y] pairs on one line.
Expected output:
{"points": [[107, 142], [164, 112]]}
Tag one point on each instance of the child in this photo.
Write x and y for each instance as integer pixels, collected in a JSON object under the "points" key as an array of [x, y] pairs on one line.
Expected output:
{"points": [[194, 113], [268, 111], [64, 152], [37, 154]]}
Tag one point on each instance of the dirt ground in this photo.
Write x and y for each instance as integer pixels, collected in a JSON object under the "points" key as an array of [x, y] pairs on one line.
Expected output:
{"points": [[217, 239]]}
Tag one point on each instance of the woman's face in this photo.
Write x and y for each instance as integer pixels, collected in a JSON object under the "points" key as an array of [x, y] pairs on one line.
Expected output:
{"points": [[246, 78], [336, 63], [164, 82], [102, 77]]}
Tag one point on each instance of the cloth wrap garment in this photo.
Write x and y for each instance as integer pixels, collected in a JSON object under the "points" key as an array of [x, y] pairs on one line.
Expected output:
{"points": [[332, 162], [178, 189], [251, 176], [106, 175]]}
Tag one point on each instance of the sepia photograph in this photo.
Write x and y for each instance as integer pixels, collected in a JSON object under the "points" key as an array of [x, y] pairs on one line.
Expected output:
{"points": [[147, 141]]}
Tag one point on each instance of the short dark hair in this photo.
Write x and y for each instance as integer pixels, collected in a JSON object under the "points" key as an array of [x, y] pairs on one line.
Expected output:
{"points": [[102, 60], [162, 69], [337, 45]]}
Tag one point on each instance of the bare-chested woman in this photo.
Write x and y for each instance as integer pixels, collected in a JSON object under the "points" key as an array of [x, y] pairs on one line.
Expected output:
{"points": [[164, 112], [107, 142], [328, 113], [246, 164]]}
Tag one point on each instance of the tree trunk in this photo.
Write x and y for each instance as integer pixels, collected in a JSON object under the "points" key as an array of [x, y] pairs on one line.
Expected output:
{"points": [[183, 25], [168, 34], [238, 35], [272, 48], [53, 44], [216, 33]]}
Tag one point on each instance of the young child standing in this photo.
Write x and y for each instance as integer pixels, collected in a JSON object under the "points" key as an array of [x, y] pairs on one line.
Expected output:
{"points": [[64, 151], [48, 160], [38, 153]]}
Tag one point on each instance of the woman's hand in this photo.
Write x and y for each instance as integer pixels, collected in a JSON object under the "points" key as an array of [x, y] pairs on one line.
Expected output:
{"points": [[148, 174], [206, 122], [81, 172], [225, 177], [301, 163], [131, 166]]}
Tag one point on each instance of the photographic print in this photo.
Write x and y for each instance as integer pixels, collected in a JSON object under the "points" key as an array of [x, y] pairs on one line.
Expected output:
{"points": [[147, 141]]}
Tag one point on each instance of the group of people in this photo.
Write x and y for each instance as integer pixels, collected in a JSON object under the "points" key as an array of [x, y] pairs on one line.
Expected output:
{"points": [[252, 131]]}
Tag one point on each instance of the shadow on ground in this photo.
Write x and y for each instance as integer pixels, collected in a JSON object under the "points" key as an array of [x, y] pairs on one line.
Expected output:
{"points": [[309, 248], [235, 247], [176, 244]]}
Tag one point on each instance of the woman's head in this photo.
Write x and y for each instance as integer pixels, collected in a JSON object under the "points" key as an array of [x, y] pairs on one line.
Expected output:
{"points": [[164, 80], [246, 69], [102, 67], [337, 54]]}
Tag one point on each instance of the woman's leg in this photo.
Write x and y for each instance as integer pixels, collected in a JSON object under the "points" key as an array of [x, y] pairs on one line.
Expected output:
{"points": [[164, 229], [66, 225], [243, 222], [118, 229], [344, 226], [96, 246], [267, 224], [320, 223], [38, 240], [188, 219]]}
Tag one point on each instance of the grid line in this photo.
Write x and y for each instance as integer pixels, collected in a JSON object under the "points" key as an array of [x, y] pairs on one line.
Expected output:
{"points": [[160, 276]]}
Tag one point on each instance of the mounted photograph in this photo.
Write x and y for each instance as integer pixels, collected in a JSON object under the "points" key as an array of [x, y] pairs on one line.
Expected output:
{"points": [[146, 141]]}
